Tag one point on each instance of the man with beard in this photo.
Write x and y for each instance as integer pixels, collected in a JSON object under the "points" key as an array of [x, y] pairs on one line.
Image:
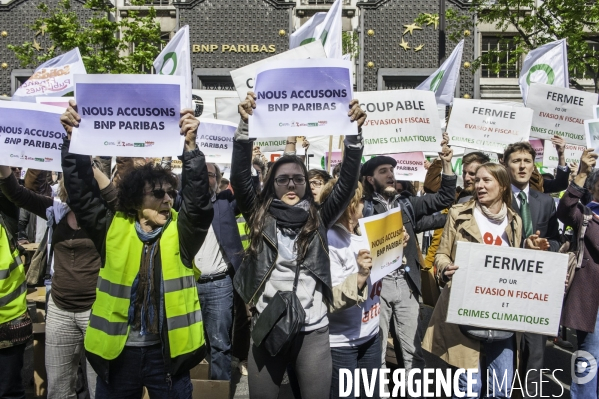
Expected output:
{"points": [[217, 259], [401, 289]]}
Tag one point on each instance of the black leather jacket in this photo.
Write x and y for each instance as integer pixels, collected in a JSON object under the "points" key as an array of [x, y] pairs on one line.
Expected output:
{"points": [[253, 273]]}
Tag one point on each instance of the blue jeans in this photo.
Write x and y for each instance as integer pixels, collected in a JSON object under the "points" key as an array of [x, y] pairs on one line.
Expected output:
{"points": [[365, 356], [499, 369], [11, 361], [588, 342], [136, 368], [216, 301]]}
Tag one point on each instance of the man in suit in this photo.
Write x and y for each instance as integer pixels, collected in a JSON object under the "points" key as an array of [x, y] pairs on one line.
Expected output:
{"points": [[217, 259], [539, 220]]}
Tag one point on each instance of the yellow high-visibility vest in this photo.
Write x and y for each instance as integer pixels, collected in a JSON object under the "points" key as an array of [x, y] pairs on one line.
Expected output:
{"points": [[13, 287], [108, 324]]}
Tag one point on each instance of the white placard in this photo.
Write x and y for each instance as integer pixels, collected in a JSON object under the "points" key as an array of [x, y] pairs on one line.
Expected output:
{"points": [[215, 140], [128, 115], [400, 121], [560, 111], [487, 127], [572, 153], [227, 109], [383, 234], [243, 78], [31, 135], [591, 132], [302, 98], [507, 288]]}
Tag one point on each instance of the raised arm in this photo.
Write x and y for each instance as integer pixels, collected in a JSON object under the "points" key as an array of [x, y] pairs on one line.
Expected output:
{"points": [[195, 215], [21, 196], [343, 191], [241, 163], [569, 210], [84, 199]]}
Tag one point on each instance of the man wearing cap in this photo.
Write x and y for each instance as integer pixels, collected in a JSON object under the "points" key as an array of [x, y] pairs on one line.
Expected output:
{"points": [[401, 290]]}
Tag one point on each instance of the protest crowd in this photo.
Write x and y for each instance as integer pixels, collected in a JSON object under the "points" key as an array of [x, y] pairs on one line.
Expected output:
{"points": [[278, 269]]}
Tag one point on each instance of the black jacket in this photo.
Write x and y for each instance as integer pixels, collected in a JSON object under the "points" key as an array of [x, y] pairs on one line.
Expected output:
{"points": [[424, 209], [544, 217], [253, 273], [95, 217], [225, 227]]}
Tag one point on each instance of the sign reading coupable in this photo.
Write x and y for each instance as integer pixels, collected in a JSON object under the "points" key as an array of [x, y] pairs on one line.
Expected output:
{"points": [[384, 234], [507, 288], [215, 139], [30, 135], [303, 98], [560, 111], [486, 126], [400, 121], [243, 78], [128, 115]]}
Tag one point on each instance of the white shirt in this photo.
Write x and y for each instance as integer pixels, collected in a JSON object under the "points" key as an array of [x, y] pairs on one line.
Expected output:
{"points": [[516, 192], [211, 259], [357, 324], [492, 233]]}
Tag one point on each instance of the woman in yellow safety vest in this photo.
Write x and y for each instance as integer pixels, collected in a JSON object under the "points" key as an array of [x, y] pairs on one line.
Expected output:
{"points": [[15, 323], [145, 327]]}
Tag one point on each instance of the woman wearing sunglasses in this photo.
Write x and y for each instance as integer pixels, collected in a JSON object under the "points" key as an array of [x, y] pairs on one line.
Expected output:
{"points": [[145, 327], [288, 248]]}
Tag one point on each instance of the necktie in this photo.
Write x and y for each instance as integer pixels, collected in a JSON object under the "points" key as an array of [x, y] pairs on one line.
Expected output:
{"points": [[525, 215]]}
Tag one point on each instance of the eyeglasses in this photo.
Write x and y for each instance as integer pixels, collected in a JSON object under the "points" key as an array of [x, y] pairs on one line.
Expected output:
{"points": [[315, 183], [211, 174], [284, 180], [160, 193]]}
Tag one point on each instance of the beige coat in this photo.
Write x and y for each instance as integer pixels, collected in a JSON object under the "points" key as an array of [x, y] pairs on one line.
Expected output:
{"points": [[442, 339]]}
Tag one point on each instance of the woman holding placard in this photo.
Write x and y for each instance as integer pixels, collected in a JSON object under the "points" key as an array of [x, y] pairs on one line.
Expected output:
{"points": [[487, 218], [582, 300], [285, 275]]}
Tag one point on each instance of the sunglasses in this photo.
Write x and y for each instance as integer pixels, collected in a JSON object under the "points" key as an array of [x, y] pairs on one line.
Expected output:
{"points": [[160, 193]]}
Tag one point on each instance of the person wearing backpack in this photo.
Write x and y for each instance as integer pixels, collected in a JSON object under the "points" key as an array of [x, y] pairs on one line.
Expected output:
{"points": [[581, 304], [401, 290]]}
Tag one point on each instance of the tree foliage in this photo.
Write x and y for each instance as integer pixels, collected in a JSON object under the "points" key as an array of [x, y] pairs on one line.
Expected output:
{"points": [[127, 46]]}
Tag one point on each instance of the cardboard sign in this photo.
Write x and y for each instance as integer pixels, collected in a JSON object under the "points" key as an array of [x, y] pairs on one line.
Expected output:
{"points": [[31, 135], [384, 235], [215, 140], [572, 154], [303, 98], [560, 111], [486, 126], [507, 288], [128, 115], [400, 121], [243, 78]]}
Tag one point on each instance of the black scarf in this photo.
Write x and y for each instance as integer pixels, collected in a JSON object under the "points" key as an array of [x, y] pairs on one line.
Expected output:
{"points": [[291, 217]]}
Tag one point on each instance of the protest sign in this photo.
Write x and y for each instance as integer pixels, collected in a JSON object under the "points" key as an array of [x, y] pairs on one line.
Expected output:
{"points": [[336, 158], [384, 235], [486, 126], [591, 131], [62, 102], [539, 148], [226, 109], [506, 288], [205, 102], [243, 78], [400, 121], [302, 98], [559, 111], [410, 166], [215, 140], [128, 115], [30, 135], [596, 112], [572, 154], [53, 78]]}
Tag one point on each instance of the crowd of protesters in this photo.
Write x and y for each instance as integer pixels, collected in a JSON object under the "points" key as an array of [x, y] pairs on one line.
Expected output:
{"points": [[151, 273]]}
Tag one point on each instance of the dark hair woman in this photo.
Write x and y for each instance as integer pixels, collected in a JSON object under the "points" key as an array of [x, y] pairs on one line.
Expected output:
{"points": [[145, 327], [288, 233]]}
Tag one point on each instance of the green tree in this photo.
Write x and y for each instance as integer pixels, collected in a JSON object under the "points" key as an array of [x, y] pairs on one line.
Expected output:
{"points": [[350, 43], [101, 41], [539, 22]]}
